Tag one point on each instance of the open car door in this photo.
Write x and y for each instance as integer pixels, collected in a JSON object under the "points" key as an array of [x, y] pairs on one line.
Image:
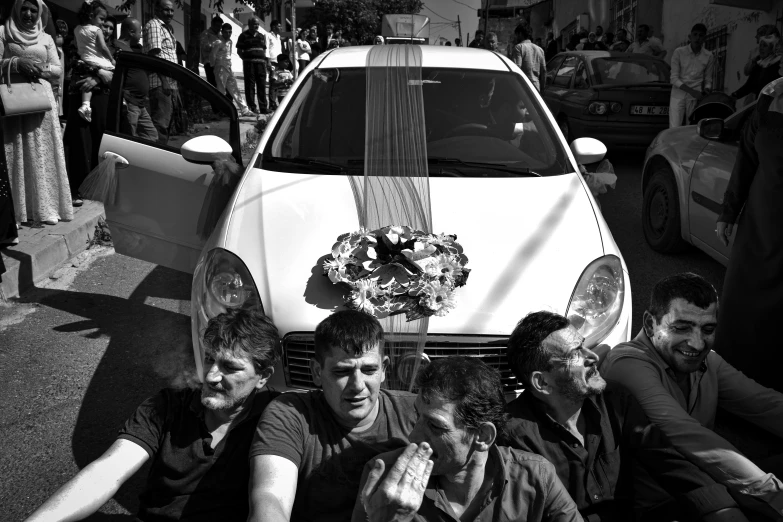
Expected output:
{"points": [[160, 195]]}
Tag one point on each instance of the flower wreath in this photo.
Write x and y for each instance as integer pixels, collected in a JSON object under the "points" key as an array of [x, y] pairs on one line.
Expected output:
{"points": [[397, 269]]}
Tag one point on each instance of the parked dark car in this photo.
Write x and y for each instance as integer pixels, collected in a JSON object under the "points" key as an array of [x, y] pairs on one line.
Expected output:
{"points": [[617, 98]]}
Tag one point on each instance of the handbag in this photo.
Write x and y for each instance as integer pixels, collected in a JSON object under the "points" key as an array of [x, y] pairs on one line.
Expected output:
{"points": [[22, 97]]}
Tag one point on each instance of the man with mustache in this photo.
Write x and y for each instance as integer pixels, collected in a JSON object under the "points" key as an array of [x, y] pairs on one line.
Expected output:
{"points": [[197, 439], [454, 470], [678, 383]]}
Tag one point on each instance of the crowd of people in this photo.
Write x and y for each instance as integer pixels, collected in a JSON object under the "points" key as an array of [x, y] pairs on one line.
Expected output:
{"points": [[597, 434]]}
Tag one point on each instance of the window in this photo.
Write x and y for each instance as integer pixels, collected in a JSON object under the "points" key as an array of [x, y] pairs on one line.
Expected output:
{"points": [[566, 72], [469, 117], [716, 42], [552, 67], [616, 71], [624, 15], [580, 79]]}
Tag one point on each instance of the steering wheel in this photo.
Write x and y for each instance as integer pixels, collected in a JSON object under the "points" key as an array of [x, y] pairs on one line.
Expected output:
{"points": [[467, 129]]}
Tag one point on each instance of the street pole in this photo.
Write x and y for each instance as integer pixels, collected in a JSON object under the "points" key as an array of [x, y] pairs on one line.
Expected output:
{"points": [[459, 30], [292, 51], [486, 18]]}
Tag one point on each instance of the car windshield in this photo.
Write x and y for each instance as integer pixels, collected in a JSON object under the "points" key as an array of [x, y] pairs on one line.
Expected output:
{"points": [[622, 70], [478, 124]]}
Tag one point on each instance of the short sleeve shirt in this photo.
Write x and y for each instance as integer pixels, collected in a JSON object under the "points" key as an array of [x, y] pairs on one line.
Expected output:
{"points": [[646, 47], [301, 428], [158, 35], [136, 88], [188, 479]]}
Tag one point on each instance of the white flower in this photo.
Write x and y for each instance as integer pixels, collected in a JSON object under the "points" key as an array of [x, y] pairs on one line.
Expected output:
{"points": [[448, 266], [364, 291], [343, 249], [336, 269], [438, 298]]}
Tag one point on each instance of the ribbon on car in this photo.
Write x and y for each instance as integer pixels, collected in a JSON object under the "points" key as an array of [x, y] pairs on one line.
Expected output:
{"points": [[395, 189], [101, 183], [227, 173]]}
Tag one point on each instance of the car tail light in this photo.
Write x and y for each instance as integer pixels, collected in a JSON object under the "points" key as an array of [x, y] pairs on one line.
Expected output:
{"points": [[221, 281], [597, 300], [598, 108], [616, 107]]}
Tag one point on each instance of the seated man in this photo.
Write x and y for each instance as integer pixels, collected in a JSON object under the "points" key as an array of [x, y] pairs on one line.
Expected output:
{"points": [[679, 383], [197, 439], [460, 407], [310, 448], [564, 416]]}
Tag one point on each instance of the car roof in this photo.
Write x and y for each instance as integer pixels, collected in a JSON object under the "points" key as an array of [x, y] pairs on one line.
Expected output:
{"points": [[606, 54], [431, 56]]}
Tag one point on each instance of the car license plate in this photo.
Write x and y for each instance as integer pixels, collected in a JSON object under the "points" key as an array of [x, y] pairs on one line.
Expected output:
{"points": [[649, 110]]}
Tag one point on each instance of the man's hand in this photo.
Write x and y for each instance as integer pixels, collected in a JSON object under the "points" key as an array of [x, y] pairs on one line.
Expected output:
{"points": [[724, 231], [105, 76], [87, 84], [398, 497]]}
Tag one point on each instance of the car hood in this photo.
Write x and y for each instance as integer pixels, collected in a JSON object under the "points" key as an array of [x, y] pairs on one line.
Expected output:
{"points": [[527, 240]]}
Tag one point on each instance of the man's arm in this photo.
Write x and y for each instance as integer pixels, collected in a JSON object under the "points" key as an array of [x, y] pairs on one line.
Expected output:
{"points": [[560, 507], [542, 73], [272, 488], [676, 81], [93, 486], [152, 39], [708, 72]]}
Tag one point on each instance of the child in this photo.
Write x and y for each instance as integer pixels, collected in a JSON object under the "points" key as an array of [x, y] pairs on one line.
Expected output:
{"points": [[220, 56], [280, 79], [57, 85], [91, 45]]}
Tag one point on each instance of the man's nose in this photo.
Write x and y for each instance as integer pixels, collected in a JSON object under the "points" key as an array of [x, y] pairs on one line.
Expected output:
{"points": [[356, 381], [417, 435], [212, 373], [590, 356], [697, 340]]}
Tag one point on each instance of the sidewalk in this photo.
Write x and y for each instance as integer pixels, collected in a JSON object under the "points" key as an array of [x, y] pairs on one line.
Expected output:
{"points": [[42, 250]]}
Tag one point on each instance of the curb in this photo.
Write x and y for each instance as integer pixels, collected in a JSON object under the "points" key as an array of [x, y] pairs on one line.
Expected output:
{"points": [[42, 250]]}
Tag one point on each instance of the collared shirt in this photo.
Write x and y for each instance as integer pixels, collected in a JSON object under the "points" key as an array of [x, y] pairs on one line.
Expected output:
{"points": [[525, 487], [530, 58], [648, 46], [207, 38], [691, 69], [158, 35], [274, 46], [687, 423], [188, 478], [590, 471]]}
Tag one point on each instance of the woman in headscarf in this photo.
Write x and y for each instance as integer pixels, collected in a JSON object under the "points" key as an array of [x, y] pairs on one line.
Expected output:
{"points": [[765, 69], [33, 143], [751, 306]]}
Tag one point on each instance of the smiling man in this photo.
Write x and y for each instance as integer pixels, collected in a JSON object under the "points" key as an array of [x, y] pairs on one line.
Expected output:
{"points": [[197, 439], [310, 448], [679, 383], [461, 412]]}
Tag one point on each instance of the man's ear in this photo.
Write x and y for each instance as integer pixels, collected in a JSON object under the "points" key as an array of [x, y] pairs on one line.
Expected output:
{"points": [[264, 376], [648, 323], [384, 366], [315, 371], [487, 434], [539, 382]]}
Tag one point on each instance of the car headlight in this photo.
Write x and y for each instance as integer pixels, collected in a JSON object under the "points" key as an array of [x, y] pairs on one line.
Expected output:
{"points": [[597, 300]]}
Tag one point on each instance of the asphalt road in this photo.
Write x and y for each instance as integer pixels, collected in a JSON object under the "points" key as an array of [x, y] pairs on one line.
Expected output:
{"points": [[78, 357]]}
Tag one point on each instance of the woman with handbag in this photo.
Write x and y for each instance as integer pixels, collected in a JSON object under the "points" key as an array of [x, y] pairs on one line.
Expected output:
{"points": [[31, 130]]}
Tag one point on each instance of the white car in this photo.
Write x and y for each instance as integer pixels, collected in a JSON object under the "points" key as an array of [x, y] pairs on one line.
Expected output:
{"points": [[534, 235]]}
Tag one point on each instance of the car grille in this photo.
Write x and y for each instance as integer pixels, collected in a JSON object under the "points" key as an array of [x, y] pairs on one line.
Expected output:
{"points": [[298, 348]]}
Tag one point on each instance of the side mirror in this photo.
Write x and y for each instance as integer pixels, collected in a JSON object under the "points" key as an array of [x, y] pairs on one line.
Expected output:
{"points": [[205, 149], [710, 128], [588, 150]]}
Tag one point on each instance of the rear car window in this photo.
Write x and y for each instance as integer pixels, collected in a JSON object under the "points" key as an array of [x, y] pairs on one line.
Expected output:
{"points": [[324, 125], [622, 70]]}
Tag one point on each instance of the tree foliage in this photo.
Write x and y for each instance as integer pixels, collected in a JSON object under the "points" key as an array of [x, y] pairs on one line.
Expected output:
{"points": [[359, 18]]}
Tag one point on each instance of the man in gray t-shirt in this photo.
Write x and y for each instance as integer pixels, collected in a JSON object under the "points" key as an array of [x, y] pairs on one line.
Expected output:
{"points": [[309, 450], [529, 57]]}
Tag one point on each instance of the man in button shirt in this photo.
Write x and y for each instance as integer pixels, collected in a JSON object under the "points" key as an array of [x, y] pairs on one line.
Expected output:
{"points": [[565, 416], [679, 383], [691, 76], [159, 41], [206, 39], [251, 47], [197, 439], [460, 408], [645, 44]]}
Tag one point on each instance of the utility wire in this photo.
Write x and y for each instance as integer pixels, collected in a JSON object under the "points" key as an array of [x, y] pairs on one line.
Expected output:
{"points": [[436, 14], [466, 5]]}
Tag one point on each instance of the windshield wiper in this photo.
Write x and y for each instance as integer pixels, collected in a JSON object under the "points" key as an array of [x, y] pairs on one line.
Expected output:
{"points": [[307, 162], [502, 167]]}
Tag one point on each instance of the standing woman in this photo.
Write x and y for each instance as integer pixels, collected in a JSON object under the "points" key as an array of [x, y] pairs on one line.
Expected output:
{"points": [[751, 306], [33, 144], [303, 49]]}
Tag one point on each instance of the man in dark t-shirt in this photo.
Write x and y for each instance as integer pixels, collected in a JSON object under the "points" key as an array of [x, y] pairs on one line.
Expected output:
{"points": [[310, 448], [196, 439], [136, 87]]}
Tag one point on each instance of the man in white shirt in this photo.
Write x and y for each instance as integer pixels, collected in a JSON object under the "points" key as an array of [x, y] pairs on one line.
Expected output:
{"points": [[645, 44], [274, 44], [691, 76]]}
